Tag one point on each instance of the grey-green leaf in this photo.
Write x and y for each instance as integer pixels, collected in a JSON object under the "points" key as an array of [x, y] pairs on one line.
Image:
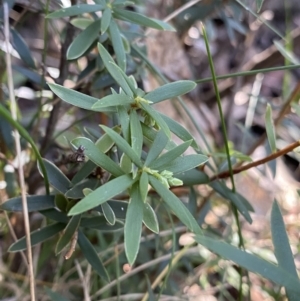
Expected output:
{"points": [[56, 178], [105, 20], [182, 164], [164, 160], [98, 157], [37, 236], [83, 41], [68, 233], [270, 129], [112, 100], [76, 191], [170, 90], [179, 130], [158, 119], [100, 223], [143, 183], [136, 133], [114, 70], [74, 10], [133, 225], [22, 48], [123, 145], [34, 203], [118, 45], [108, 213], [176, 205], [157, 147], [282, 247], [76, 98], [150, 219], [251, 262], [193, 177], [141, 19], [102, 194], [91, 256], [240, 202]]}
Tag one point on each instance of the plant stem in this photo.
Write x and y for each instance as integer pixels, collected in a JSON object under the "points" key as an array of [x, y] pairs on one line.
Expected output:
{"points": [[287, 149], [18, 150]]}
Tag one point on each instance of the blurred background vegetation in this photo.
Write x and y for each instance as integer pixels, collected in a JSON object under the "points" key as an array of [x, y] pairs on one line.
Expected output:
{"points": [[244, 36]]}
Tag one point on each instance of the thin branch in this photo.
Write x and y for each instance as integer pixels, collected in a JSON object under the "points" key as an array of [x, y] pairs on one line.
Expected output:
{"points": [[18, 150], [226, 174]]}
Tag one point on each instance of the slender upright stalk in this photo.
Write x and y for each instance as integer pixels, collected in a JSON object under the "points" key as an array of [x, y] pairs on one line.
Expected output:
{"points": [[18, 151]]}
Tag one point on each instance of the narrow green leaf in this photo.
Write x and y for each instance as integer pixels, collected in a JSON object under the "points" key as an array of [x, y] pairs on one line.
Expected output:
{"points": [[112, 68], [240, 202], [193, 177], [68, 233], [76, 98], [34, 203], [56, 178], [83, 41], [124, 121], [296, 107], [112, 100], [54, 296], [143, 183], [158, 119], [61, 202], [55, 215], [31, 75], [21, 47], [176, 205], [286, 53], [137, 18], [157, 147], [133, 225], [76, 191], [251, 262], [108, 213], [282, 247], [270, 128], [74, 10], [126, 164], [123, 145], [85, 170], [150, 135], [165, 159], [37, 236], [91, 256], [150, 219], [98, 157], [136, 133], [177, 129], [105, 20], [259, 4], [119, 208], [102, 194], [105, 143], [81, 23], [100, 223], [170, 90], [182, 164], [117, 44]]}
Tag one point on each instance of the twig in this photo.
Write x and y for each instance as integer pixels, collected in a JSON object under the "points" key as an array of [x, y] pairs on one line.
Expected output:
{"points": [[139, 269], [18, 150], [83, 281], [271, 157]]}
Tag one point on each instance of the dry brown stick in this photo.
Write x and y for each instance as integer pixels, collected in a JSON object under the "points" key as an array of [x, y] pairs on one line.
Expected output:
{"points": [[226, 174]]}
